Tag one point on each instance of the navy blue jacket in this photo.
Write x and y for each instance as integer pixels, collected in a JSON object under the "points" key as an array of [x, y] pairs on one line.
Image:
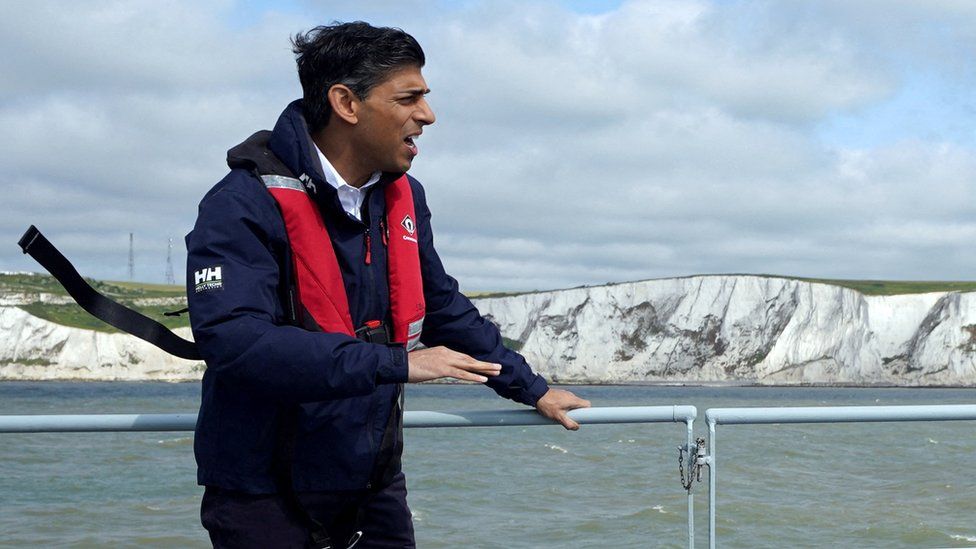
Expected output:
{"points": [[257, 363]]}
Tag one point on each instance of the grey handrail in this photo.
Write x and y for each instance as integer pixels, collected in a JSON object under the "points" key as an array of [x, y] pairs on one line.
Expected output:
{"points": [[76, 423], [839, 414], [86, 423], [814, 414]]}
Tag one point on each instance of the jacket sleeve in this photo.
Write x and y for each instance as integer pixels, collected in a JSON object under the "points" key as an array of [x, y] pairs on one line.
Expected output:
{"points": [[454, 322], [239, 326]]}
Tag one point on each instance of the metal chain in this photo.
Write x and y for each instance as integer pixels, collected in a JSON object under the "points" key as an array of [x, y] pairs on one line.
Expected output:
{"points": [[695, 463], [681, 468]]}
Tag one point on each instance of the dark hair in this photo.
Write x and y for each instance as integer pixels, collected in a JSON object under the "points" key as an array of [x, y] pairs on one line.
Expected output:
{"points": [[357, 55]]}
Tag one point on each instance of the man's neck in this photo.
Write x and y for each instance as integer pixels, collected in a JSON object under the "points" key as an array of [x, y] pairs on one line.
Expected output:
{"points": [[342, 157]]}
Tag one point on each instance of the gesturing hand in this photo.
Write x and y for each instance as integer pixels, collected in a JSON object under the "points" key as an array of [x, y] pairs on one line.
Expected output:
{"points": [[556, 402], [438, 362]]}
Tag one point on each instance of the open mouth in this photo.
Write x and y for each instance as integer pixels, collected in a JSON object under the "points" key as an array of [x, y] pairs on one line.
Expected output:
{"points": [[408, 141]]}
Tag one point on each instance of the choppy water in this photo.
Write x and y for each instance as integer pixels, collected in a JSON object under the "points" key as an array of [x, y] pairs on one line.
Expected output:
{"points": [[856, 485]]}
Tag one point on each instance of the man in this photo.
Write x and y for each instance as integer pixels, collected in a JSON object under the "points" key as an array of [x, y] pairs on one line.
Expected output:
{"points": [[311, 272]]}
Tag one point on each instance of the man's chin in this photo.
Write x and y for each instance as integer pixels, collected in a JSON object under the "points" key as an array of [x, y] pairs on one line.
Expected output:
{"points": [[404, 165]]}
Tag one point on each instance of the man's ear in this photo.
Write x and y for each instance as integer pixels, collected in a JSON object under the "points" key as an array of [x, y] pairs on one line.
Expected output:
{"points": [[345, 104]]}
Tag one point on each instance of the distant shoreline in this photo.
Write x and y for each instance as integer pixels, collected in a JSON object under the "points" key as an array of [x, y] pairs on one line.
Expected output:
{"points": [[702, 384]]}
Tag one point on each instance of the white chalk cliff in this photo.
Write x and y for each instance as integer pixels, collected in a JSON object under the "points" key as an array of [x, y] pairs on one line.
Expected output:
{"points": [[696, 329], [35, 349], [742, 328]]}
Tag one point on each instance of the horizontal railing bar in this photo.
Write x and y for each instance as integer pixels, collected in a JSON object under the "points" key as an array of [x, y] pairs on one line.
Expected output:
{"points": [[417, 419], [604, 415], [839, 414], [85, 423]]}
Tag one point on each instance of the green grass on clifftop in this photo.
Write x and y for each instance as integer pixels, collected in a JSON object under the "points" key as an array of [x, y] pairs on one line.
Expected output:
{"points": [[42, 283], [74, 316], [899, 287], [70, 314]]}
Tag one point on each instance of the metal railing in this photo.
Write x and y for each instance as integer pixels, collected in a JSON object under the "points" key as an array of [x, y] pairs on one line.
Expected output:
{"points": [[695, 450], [817, 414], [412, 419]]}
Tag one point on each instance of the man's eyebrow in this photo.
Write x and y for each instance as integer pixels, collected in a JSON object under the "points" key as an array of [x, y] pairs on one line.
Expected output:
{"points": [[414, 91]]}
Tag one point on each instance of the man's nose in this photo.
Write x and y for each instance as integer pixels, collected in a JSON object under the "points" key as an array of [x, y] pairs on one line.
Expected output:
{"points": [[425, 115]]}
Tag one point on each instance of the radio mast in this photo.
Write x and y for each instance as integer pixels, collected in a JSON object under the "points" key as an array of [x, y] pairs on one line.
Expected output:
{"points": [[170, 279], [132, 260]]}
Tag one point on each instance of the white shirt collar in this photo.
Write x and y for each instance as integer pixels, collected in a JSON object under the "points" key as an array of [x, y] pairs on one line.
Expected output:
{"points": [[350, 197]]}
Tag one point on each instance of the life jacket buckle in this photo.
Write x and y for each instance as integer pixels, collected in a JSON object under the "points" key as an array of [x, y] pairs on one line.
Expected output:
{"points": [[375, 331]]}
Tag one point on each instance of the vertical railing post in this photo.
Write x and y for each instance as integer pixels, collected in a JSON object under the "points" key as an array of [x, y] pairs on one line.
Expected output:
{"points": [[712, 477], [690, 423], [815, 414]]}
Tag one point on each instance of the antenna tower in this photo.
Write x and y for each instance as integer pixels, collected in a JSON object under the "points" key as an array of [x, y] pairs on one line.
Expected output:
{"points": [[132, 260], [170, 279]]}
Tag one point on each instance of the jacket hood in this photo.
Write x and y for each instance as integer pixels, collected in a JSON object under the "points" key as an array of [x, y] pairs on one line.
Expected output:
{"points": [[291, 143], [285, 150], [253, 155]]}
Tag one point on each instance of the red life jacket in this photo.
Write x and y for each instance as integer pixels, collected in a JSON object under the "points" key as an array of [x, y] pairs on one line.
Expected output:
{"points": [[317, 274]]}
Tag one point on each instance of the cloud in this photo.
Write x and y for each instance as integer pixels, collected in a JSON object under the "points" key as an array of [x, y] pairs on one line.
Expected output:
{"points": [[117, 117], [657, 138]]}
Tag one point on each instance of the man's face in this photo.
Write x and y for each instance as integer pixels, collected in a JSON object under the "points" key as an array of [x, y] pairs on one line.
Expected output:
{"points": [[390, 120]]}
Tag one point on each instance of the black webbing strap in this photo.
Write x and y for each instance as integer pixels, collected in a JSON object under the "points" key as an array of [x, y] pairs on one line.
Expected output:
{"points": [[37, 246], [281, 466]]}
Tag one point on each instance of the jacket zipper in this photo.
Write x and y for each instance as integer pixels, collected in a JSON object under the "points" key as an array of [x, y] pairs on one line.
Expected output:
{"points": [[369, 254], [370, 291]]}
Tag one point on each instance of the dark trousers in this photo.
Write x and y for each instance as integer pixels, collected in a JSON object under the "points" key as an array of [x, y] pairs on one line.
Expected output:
{"points": [[238, 520]]}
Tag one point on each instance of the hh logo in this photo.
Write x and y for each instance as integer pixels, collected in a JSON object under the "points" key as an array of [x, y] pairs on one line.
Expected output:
{"points": [[208, 279], [307, 181]]}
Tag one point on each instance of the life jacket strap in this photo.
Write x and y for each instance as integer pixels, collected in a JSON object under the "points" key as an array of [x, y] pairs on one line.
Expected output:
{"points": [[111, 312]]}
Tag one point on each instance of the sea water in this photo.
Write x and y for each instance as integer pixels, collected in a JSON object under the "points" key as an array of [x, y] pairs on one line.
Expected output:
{"points": [[844, 485]]}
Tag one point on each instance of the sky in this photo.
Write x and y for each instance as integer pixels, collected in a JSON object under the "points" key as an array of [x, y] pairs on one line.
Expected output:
{"points": [[576, 143]]}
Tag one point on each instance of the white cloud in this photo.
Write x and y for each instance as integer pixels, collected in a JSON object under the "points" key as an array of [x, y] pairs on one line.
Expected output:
{"points": [[661, 138]]}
